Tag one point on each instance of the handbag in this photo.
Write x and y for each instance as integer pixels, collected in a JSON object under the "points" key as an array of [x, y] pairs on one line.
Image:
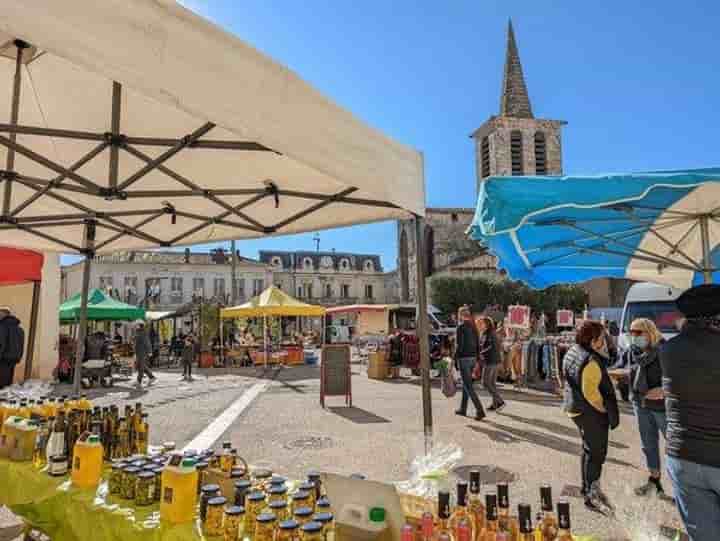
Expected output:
{"points": [[448, 383]]}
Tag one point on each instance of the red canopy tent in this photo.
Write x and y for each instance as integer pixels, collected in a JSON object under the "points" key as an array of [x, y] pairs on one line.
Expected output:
{"points": [[23, 267]]}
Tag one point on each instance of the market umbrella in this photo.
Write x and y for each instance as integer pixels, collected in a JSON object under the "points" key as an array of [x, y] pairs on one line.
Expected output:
{"points": [[139, 124], [660, 227], [100, 307]]}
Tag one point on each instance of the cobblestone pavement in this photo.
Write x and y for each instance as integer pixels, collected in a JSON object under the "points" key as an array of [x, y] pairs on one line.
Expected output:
{"points": [[178, 410], [529, 443]]}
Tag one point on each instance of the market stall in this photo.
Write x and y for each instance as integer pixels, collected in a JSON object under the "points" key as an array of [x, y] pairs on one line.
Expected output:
{"points": [[279, 347]]}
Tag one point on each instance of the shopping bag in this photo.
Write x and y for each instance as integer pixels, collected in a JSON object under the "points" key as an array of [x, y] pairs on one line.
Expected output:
{"points": [[448, 378]]}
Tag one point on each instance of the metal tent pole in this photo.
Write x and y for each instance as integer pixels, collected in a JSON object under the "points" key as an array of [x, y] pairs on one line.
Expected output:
{"points": [[89, 248], [705, 238], [14, 113], [33, 330], [422, 331], [265, 345], [233, 274]]}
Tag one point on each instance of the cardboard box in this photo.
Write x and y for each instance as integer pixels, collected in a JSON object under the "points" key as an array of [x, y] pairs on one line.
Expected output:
{"points": [[377, 365]]}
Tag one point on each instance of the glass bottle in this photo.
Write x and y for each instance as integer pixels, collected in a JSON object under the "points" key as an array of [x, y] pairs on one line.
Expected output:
{"points": [[443, 515], [265, 527], [123, 438], [56, 442], [525, 525], [461, 513], [427, 526], [505, 521], [563, 511], [24, 410], [407, 533], [475, 505], [547, 527], [41, 442], [141, 432], [491, 528]]}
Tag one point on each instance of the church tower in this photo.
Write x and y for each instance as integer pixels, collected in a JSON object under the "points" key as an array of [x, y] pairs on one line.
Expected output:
{"points": [[515, 142]]}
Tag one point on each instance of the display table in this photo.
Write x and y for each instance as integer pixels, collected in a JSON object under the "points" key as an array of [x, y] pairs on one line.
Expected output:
{"points": [[66, 513]]}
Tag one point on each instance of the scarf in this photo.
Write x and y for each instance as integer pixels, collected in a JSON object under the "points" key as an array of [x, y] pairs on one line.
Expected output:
{"points": [[642, 359]]}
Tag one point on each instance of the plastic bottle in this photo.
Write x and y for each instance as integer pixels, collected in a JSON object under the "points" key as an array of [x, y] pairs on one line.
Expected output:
{"points": [[178, 498], [3, 407], [37, 410], [87, 461], [25, 437], [24, 410]]}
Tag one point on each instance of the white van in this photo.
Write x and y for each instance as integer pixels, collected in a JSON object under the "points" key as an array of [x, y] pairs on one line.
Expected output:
{"points": [[651, 301]]}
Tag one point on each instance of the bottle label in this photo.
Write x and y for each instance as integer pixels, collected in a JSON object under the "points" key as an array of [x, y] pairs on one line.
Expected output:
{"points": [[76, 465], [168, 495]]}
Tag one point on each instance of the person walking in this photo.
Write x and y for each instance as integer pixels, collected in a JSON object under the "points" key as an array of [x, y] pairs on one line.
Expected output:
{"points": [[647, 397], [691, 381], [143, 350], [12, 345], [188, 355], [467, 350], [589, 399], [490, 354]]}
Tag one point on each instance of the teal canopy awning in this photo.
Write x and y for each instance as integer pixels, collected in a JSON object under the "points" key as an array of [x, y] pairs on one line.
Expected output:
{"points": [[101, 307]]}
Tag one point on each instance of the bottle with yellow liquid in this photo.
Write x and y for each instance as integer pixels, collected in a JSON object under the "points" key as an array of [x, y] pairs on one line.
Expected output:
{"points": [[40, 453], [87, 461], [547, 527], [141, 435], [563, 510], [525, 524], [475, 505], [37, 410], [178, 497], [508, 524], [84, 406], [491, 530], [462, 514], [50, 407], [24, 410], [11, 410]]}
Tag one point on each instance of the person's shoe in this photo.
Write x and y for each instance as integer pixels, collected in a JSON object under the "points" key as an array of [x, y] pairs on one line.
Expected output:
{"points": [[596, 493], [153, 379], [479, 416], [500, 406], [461, 413], [492, 407], [652, 484], [593, 506]]}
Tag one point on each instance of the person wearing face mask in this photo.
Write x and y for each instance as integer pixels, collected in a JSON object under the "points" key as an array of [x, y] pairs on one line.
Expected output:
{"points": [[589, 399], [647, 397]]}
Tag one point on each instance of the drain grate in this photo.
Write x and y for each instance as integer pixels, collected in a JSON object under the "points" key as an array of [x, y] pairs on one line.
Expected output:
{"points": [[310, 442]]}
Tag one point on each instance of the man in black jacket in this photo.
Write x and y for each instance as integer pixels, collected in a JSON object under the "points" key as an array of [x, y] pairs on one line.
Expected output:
{"points": [[691, 383], [467, 350], [12, 345]]}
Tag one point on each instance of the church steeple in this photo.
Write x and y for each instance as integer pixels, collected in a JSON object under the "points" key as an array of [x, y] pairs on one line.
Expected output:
{"points": [[514, 100]]}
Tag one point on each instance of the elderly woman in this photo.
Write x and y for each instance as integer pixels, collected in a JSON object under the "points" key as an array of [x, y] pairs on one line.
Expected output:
{"points": [[647, 396], [591, 403]]}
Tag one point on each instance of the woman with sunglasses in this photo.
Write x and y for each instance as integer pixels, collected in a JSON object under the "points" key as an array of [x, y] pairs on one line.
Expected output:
{"points": [[647, 397]]}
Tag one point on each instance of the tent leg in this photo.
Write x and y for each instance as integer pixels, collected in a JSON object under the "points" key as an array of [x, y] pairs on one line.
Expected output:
{"points": [[14, 113], [30, 357], [82, 331], [265, 344], [422, 331], [705, 238]]}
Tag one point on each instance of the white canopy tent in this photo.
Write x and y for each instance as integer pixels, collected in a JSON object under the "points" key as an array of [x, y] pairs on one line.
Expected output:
{"points": [[137, 124]]}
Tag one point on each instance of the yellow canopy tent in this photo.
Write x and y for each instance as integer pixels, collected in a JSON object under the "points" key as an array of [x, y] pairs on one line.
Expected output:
{"points": [[272, 302]]}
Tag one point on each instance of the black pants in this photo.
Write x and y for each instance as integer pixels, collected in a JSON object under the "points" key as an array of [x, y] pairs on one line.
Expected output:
{"points": [[187, 369], [466, 366], [7, 372], [594, 429]]}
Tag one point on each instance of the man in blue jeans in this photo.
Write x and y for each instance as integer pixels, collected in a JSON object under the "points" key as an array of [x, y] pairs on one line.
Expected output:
{"points": [[467, 350], [691, 382]]}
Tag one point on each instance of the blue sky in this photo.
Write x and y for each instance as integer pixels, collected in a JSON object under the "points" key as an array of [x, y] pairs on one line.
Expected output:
{"points": [[637, 82]]}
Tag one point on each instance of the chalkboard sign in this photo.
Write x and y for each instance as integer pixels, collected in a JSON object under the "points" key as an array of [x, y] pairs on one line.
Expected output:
{"points": [[335, 375]]}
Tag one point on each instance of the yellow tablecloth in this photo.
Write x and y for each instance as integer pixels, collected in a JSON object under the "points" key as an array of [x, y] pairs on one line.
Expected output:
{"points": [[66, 513]]}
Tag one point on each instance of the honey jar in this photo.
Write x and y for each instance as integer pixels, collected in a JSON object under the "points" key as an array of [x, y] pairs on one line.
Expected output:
{"points": [[265, 527], [308, 487], [300, 499], [303, 515], [277, 493], [312, 531], [145, 488], [233, 523], [213, 522], [207, 493], [327, 521], [130, 475], [280, 509], [288, 530], [242, 487]]}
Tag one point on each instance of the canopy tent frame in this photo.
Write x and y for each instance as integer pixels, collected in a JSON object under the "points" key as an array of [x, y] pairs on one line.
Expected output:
{"points": [[67, 181]]}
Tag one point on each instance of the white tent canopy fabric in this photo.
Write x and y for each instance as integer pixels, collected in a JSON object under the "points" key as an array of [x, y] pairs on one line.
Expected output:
{"points": [[166, 130]]}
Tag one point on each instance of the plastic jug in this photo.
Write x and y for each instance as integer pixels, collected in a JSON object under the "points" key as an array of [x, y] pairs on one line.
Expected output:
{"points": [[9, 435], [87, 461], [178, 498], [24, 436]]}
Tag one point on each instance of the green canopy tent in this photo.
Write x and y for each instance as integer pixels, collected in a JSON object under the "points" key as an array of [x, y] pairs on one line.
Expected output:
{"points": [[101, 307]]}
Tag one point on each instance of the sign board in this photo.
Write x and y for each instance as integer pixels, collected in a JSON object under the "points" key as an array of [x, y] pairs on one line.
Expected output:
{"points": [[335, 375], [565, 318], [519, 317]]}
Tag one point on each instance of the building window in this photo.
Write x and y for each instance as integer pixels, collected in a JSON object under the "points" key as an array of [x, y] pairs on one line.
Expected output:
{"points": [[131, 289], [240, 288], [485, 157], [369, 291], [308, 291], [176, 288], [454, 217], [344, 264], [516, 152], [258, 286], [276, 262], [345, 291], [540, 154], [300, 292], [219, 288], [199, 287], [369, 267], [307, 264], [328, 291]]}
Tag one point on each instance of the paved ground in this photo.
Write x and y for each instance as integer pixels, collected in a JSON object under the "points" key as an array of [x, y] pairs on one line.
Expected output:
{"points": [[531, 442]]}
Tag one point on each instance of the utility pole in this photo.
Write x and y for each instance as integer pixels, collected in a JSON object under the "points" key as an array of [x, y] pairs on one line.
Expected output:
{"points": [[316, 240], [233, 274]]}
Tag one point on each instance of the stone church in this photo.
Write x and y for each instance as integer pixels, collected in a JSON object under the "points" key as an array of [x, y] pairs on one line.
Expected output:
{"points": [[514, 142]]}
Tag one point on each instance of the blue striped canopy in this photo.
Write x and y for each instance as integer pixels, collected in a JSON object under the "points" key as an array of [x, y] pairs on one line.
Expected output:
{"points": [[644, 226]]}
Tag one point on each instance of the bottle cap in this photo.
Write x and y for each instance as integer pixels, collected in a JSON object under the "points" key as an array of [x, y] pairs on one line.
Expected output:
{"points": [[256, 496], [443, 504], [227, 445], [235, 510], [242, 484], [278, 480], [262, 474], [563, 510], [475, 482], [146, 475], [266, 517], [546, 498], [278, 504], [289, 525], [210, 489], [462, 488], [278, 490], [323, 503], [188, 463], [303, 512], [94, 439], [217, 501], [503, 496], [525, 518], [312, 527], [301, 495], [322, 518], [377, 514], [491, 512]]}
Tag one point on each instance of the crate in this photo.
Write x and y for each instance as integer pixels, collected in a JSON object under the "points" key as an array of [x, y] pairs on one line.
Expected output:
{"points": [[377, 365], [413, 508]]}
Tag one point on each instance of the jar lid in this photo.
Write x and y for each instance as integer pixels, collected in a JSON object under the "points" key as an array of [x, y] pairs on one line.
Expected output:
{"points": [[237, 472], [323, 502], [313, 475], [243, 484], [301, 495], [210, 488], [188, 463], [132, 470], [278, 504], [312, 527], [256, 496], [58, 458], [235, 510], [159, 470], [266, 517], [377, 514], [262, 474], [202, 465], [307, 486], [138, 463], [149, 467], [94, 439], [278, 480], [303, 512], [118, 466], [190, 452], [146, 475], [323, 517], [289, 525], [278, 489], [218, 500]]}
